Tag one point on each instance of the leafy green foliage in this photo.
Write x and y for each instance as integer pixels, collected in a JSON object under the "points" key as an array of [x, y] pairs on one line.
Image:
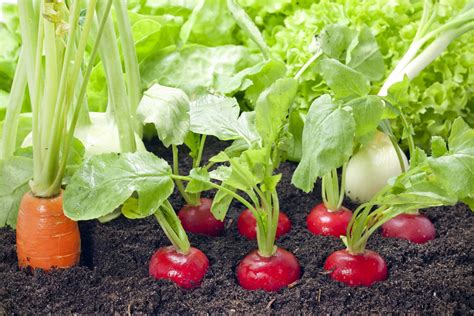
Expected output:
{"points": [[167, 108], [105, 182], [16, 172], [327, 142], [454, 170], [272, 108], [343, 80], [439, 94], [219, 116], [178, 68]]}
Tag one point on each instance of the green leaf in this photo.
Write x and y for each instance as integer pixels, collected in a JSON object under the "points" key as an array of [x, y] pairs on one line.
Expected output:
{"points": [[105, 182], [16, 172], [253, 79], [438, 146], [270, 183], [469, 201], [327, 142], [272, 108], [130, 209], [248, 26], [219, 116], [198, 183], [364, 55], [167, 108], [221, 203], [24, 128], [180, 69], [344, 80], [367, 113], [335, 39], [210, 24], [271, 71], [455, 169]]}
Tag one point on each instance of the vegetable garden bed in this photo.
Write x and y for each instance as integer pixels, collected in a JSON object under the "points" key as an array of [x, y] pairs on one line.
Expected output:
{"points": [[434, 278]]}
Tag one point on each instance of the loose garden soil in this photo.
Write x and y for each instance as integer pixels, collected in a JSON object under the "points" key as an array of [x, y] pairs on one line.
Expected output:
{"points": [[434, 278]]}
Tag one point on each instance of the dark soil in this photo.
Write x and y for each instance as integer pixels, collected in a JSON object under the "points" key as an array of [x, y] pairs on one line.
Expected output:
{"points": [[434, 278]]}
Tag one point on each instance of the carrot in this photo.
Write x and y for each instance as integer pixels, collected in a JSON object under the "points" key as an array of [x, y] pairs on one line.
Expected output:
{"points": [[46, 238]]}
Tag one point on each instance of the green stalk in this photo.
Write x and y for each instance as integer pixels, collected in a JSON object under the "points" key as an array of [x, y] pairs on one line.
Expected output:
{"points": [[197, 162], [64, 98], [36, 101], [12, 118], [307, 64], [80, 98], [224, 189], [116, 84], [172, 227], [332, 193], [179, 184], [132, 72], [29, 26]]}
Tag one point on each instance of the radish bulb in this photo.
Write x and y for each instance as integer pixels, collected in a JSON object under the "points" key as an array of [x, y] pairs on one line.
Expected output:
{"points": [[371, 167]]}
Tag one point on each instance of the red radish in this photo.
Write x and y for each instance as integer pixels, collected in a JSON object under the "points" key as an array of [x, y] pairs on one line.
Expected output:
{"points": [[198, 219], [256, 272], [321, 221], [247, 225], [356, 269], [416, 228], [186, 270]]}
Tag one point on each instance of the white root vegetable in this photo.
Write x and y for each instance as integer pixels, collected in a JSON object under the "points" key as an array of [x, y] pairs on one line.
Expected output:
{"points": [[371, 167]]}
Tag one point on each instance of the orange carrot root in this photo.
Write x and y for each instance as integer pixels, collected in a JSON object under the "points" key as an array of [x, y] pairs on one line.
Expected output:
{"points": [[45, 238]]}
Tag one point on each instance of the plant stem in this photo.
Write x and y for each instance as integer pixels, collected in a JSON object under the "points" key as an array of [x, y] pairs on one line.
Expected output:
{"points": [[307, 64], [197, 162], [220, 187], [12, 118], [82, 94], [332, 194], [61, 97], [130, 59], [116, 85], [179, 183], [172, 227]]}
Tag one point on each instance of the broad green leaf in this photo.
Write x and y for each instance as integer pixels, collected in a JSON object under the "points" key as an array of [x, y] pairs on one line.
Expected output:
{"points": [[469, 201], [105, 182], [219, 116], [270, 183], [271, 71], [130, 208], [364, 55], [167, 108], [198, 183], [188, 26], [344, 80], [272, 108], [248, 26], [209, 24], [335, 40], [327, 142], [455, 169], [24, 128], [438, 146], [196, 68], [16, 172], [221, 203], [367, 113], [421, 195], [253, 79]]}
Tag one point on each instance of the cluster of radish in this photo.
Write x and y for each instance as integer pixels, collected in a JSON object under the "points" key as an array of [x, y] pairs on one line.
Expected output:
{"points": [[346, 131]]}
